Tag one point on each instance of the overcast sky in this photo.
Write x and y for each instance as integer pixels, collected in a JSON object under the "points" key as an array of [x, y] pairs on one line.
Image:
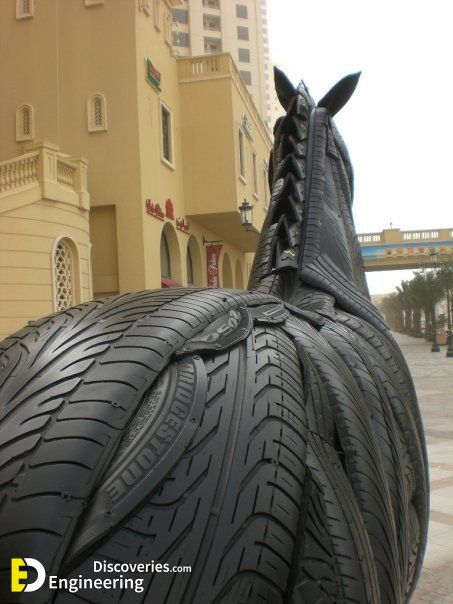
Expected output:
{"points": [[398, 125]]}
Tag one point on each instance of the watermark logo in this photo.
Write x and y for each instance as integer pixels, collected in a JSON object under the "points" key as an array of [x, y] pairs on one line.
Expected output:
{"points": [[20, 574], [28, 574]]}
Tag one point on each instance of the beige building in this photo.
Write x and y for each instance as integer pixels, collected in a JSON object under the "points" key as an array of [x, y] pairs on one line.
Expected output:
{"points": [[239, 27], [275, 108], [119, 163]]}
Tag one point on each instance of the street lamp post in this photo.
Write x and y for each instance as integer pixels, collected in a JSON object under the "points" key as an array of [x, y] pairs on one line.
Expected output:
{"points": [[435, 344], [449, 352], [246, 210]]}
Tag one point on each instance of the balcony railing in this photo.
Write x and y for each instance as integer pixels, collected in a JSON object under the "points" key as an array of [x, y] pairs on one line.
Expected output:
{"points": [[18, 172], [65, 172], [44, 173]]}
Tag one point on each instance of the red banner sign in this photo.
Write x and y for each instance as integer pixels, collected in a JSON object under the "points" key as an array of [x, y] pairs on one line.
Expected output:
{"points": [[212, 259]]}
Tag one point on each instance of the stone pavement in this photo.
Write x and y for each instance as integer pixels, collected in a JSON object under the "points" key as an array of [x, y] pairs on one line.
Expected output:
{"points": [[433, 376]]}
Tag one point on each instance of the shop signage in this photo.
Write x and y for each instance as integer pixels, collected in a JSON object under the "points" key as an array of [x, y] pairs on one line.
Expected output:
{"points": [[154, 209], [212, 260], [246, 127], [169, 209], [153, 76], [182, 225]]}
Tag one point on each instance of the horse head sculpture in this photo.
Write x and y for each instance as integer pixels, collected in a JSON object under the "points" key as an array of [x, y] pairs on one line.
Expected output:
{"points": [[308, 242]]}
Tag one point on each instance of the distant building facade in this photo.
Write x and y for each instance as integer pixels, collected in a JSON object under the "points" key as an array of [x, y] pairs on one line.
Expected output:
{"points": [[122, 168]]}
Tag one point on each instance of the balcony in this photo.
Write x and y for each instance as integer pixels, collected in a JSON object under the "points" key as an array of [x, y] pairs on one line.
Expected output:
{"points": [[211, 4], [212, 45], [43, 172], [211, 23], [214, 97]]}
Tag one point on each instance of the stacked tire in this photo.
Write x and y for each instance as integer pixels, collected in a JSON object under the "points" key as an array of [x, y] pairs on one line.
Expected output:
{"points": [[278, 453]]}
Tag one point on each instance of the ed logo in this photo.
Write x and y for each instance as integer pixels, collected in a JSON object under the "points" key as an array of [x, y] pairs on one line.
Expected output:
{"points": [[19, 574]]}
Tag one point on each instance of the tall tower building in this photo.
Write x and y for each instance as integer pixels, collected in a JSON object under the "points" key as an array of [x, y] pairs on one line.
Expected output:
{"points": [[203, 27]]}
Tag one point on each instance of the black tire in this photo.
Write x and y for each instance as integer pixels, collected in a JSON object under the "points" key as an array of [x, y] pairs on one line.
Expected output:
{"points": [[69, 402], [391, 374], [238, 486]]}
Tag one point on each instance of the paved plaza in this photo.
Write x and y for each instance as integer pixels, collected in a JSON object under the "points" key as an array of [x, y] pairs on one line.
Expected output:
{"points": [[433, 377]]}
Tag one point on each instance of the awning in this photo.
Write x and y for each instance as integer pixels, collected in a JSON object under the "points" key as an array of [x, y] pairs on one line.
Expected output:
{"points": [[169, 282]]}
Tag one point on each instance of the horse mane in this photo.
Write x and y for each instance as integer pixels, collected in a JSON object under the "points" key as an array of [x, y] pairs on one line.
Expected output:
{"points": [[308, 253]]}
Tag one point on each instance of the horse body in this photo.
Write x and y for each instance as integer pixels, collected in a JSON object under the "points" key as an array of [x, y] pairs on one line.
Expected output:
{"points": [[269, 439]]}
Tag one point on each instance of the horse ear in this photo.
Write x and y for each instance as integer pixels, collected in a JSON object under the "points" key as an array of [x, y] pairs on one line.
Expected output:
{"points": [[339, 95], [285, 90]]}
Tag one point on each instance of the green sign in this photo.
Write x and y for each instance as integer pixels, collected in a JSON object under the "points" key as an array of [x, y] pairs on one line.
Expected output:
{"points": [[153, 76]]}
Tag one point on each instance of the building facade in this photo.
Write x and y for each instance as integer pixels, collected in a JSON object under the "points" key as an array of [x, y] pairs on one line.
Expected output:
{"points": [[203, 27], [153, 157]]}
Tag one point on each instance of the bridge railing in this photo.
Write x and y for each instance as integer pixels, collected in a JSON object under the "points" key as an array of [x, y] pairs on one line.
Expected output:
{"points": [[396, 236], [370, 238]]}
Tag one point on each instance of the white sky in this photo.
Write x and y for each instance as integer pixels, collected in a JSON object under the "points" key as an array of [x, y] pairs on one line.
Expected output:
{"points": [[398, 125]]}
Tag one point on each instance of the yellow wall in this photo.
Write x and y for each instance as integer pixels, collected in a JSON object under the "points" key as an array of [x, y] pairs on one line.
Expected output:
{"points": [[209, 146], [96, 53], [105, 250], [28, 236]]}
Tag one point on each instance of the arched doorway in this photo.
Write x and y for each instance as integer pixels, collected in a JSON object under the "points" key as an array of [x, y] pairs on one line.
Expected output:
{"points": [[194, 262], [165, 259], [227, 272], [170, 258], [239, 275]]}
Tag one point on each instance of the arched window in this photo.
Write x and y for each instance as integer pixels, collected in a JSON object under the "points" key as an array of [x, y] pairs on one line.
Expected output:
{"points": [[168, 26], [145, 7], [165, 261], [157, 15], [64, 275], [25, 127], [189, 262], [97, 113], [24, 9]]}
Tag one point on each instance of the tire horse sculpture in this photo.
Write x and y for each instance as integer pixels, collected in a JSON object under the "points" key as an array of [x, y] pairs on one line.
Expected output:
{"points": [[269, 438]]}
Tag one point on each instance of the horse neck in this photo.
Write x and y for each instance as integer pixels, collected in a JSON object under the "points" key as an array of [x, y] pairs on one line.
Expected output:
{"points": [[308, 248]]}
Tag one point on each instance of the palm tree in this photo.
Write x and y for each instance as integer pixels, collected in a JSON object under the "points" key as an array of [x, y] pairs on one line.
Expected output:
{"points": [[417, 293], [393, 311], [432, 294], [408, 303], [421, 292]]}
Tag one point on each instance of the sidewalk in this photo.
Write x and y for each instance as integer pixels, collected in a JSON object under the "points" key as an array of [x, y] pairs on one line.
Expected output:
{"points": [[433, 377]]}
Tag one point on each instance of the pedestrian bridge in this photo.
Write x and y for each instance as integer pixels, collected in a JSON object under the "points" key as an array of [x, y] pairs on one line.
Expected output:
{"points": [[393, 249]]}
